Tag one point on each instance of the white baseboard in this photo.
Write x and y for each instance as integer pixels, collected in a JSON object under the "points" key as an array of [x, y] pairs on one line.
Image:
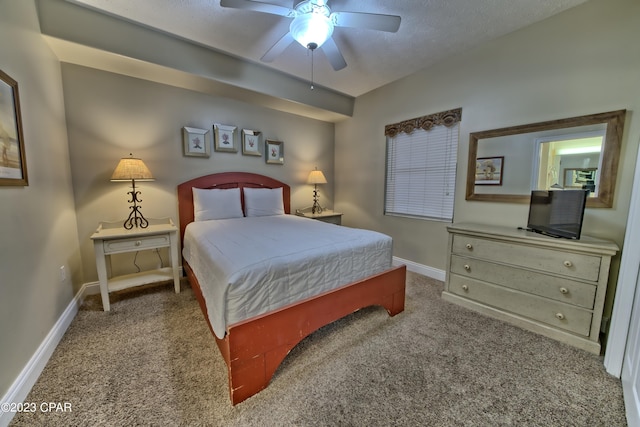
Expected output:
{"points": [[425, 270], [92, 288], [22, 385]]}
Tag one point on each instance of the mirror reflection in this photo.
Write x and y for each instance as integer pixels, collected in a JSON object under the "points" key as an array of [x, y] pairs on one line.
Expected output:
{"points": [[569, 161], [581, 152]]}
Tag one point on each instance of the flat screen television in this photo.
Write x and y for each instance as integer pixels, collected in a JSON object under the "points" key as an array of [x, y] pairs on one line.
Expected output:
{"points": [[557, 213]]}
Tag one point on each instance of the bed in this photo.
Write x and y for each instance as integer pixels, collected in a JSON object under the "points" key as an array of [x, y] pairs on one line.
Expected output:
{"points": [[254, 347]]}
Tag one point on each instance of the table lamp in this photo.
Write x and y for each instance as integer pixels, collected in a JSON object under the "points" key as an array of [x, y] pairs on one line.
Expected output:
{"points": [[316, 177], [133, 169]]}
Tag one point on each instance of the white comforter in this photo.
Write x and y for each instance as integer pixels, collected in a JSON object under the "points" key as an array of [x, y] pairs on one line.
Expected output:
{"points": [[250, 266]]}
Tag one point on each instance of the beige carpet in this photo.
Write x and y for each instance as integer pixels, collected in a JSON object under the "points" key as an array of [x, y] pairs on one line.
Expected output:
{"points": [[153, 361]]}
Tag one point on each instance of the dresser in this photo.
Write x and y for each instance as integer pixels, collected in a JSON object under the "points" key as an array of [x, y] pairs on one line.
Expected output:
{"points": [[112, 238], [553, 286]]}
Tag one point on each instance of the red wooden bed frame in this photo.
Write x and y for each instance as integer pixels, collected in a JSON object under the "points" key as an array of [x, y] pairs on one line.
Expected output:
{"points": [[253, 349]]}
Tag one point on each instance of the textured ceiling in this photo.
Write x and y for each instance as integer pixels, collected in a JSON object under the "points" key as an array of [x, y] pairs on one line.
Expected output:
{"points": [[430, 31]]}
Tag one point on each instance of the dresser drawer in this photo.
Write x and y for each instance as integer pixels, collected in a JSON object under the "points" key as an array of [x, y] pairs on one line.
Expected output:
{"points": [[531, 282], [135, 243], [556, 314], [553, 261]]}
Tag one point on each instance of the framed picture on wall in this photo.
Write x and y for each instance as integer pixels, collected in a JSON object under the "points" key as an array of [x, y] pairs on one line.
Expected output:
{"points": [[225, 139], [13, 163], [274, 151], [251, 142], [196, 142], [489, 170]]}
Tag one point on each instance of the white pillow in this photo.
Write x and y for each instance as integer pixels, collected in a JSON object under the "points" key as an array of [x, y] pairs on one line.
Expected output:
{"points": [[216, 204], [263, 201]]}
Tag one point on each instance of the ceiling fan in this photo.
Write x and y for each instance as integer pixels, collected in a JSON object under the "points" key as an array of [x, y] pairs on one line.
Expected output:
{"points": [[313, 24]]}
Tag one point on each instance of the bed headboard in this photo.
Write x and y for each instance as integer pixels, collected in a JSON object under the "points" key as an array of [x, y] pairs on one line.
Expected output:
{"points": [[225, 180]]}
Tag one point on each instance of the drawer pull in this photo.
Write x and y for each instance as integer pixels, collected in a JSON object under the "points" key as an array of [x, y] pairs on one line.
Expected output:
{"points": [[568, 263], [138, 242], [467, 267], [560, 316], [465, 288], [564, 290], [469, 246]]}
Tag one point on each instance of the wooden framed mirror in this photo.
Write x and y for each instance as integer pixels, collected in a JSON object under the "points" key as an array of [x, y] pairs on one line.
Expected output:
{"points": [[578, 152]]}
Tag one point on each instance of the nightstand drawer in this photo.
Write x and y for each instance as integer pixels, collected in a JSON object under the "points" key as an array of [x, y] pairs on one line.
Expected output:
{"points": [[112, 238], [334, 219], [136, 243], [330, 217]]}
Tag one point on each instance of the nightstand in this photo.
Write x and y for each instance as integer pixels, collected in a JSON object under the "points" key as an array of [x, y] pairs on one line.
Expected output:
{"points": [[112, 238], [325, 216]]}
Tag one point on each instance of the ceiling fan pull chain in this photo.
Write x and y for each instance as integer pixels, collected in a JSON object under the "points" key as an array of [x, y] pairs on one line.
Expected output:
{"points": [[312, 47], [312, 68]]}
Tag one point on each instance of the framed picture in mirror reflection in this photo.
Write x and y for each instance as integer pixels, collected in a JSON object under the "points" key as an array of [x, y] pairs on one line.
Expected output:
{"points": [[489, 170], [580, 178]]}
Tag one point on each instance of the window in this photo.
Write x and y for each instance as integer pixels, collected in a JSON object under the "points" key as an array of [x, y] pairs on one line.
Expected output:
{"points": [[421, 166]]}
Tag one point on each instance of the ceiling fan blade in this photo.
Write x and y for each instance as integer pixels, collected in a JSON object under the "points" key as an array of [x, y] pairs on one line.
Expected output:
{"points": [[370, 21], [258, 7], [277, 48], [333, 54]]}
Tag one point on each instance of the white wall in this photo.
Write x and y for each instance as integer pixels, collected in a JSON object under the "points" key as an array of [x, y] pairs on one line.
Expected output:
{"points": [[37, 223], [111, 115], [585, 60]]}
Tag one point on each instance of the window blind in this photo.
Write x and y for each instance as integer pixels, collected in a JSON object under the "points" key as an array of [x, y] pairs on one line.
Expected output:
{"points": [[421, 173]]}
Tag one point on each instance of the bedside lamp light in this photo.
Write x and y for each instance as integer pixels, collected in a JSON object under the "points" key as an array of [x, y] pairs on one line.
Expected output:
{"points": [[133, 169], [316, 177]]}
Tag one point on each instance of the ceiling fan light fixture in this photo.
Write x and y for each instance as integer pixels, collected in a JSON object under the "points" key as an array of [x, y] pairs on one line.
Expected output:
{"points": [[311, 30]]}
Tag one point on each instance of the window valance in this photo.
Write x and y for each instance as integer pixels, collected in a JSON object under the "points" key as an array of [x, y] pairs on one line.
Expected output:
{"points": [[445, 118]]}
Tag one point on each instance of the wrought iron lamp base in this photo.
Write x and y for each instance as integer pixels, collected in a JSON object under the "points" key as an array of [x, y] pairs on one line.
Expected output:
{"points": [[316, 208], [135, 219]]}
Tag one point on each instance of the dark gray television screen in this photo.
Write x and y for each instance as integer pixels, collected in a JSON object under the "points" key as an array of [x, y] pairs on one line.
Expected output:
{"points": [[557, 213]]}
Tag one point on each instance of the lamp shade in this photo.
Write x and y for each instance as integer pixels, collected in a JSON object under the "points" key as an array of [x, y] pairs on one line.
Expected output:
{"points": [[311, 30], [316, 177], [131, 168]]}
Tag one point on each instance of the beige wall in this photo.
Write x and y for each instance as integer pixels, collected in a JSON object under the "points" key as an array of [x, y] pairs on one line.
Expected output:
{"points": [[37, 223], [107, 117], [582, 61], [111, 115]]}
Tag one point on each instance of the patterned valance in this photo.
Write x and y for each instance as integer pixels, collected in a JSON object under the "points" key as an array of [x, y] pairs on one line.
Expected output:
{"points": [[445, 118]]}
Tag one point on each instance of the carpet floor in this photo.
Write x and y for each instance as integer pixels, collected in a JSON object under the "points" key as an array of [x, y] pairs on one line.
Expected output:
{"points": [[153, 361]]}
